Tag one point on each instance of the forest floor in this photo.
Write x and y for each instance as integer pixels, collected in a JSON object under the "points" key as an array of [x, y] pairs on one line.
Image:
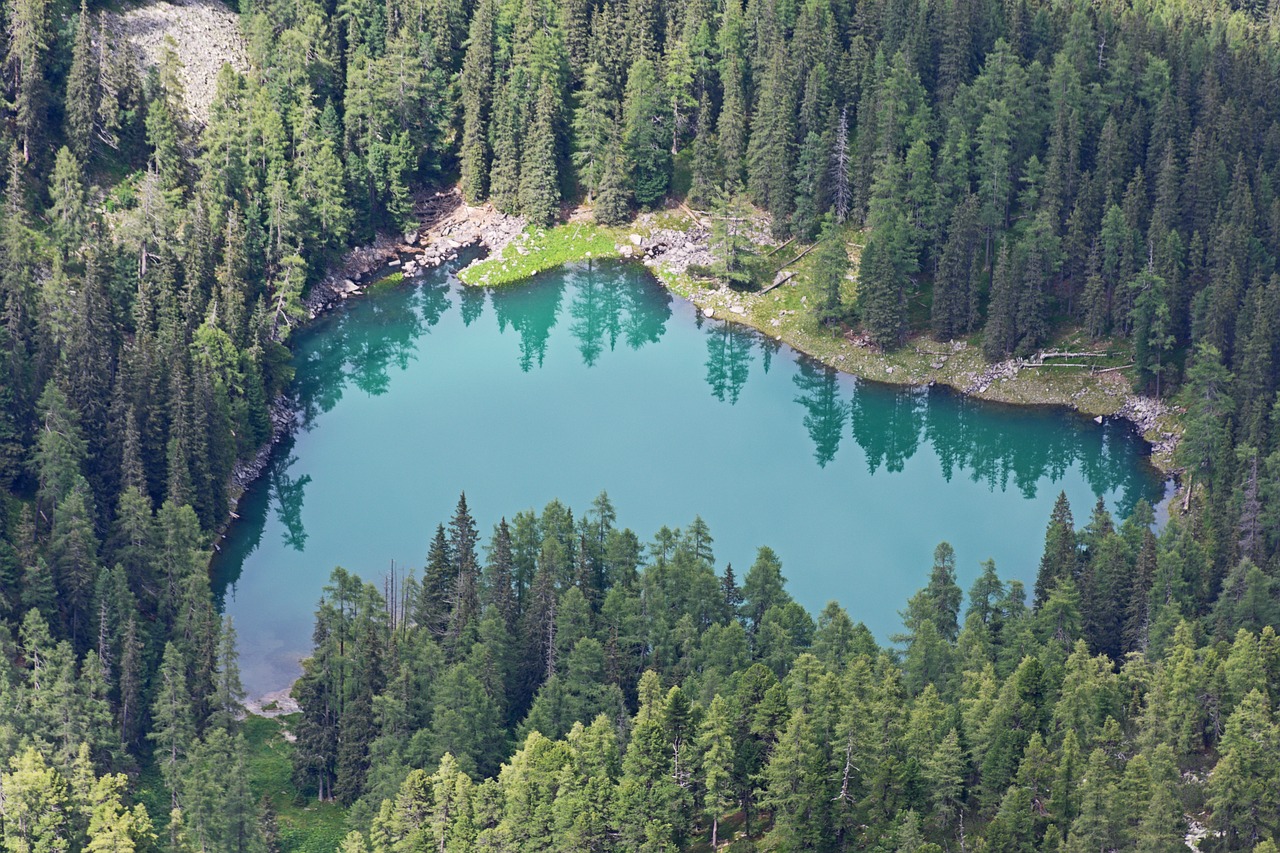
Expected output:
{"points": [[671, 241], [302, 823], [205, 36]]}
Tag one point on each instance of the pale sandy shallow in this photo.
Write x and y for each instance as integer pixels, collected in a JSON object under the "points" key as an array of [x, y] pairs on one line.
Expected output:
{"points": [[277, 703]]}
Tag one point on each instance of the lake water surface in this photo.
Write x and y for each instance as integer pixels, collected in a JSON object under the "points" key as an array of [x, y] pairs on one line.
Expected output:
{"points": [[595, 378]]}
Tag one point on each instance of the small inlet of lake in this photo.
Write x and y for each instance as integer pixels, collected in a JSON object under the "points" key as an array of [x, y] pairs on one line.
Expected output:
{"points": [[594, 378]]}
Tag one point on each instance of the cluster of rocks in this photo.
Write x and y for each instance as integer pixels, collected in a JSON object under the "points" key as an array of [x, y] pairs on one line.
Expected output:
{"points": [[674, 250], [205, 36], [277, 703], [1145, 413], [998, 372], [456, 227]]}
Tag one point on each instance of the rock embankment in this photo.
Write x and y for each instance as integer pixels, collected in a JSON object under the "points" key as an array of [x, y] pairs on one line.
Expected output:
{"points": [[449, 226], [205, 36], [676, 249], [277, 703], [283, 419], [996, 372], [1147, 414], [671, 248]]}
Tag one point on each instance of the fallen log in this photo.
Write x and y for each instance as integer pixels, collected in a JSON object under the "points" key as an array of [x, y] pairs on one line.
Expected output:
{"points": [[777, 249], [797, 257], [1072, 355], [778, 283]]}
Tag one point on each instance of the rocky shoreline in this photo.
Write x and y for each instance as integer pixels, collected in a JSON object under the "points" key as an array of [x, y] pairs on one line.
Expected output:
{"points": [[1145, 413], [668, 250], [449, 226]]}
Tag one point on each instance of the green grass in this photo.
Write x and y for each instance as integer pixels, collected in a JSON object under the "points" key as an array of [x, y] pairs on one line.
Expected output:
{"points": [[787, 315], [537, 250], [304, 824], [391, 279]]}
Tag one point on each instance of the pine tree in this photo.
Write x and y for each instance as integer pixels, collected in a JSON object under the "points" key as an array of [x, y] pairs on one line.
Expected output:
{"points": [[1160, 827], [1207, 397], [793, 791], [432, 609], [732, 123], [706, 171], [771, 152], [465, 596], [228, 691], [731, 249], [477, 94], [828, 273], [944, 772], [36, 804], [73, 555], [539, 175], [30, 37], [955, 288], [82, 89], [882, 286], [613, 200], [594, 119], [718, 759], [645, 138], [1092, 829], [172, 727], [1000, 334], [1060, 554]]}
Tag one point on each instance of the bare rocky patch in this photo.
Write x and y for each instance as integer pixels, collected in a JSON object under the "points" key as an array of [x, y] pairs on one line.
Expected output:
{"points": [[448, 225], [206, 35], [278, 703]]}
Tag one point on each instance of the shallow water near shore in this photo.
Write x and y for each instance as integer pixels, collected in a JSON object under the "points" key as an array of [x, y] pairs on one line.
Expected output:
{"points": [[593, 377]]}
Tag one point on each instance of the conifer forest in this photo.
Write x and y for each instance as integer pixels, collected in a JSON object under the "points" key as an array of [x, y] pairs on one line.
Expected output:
{"points": [[1010, 172]]}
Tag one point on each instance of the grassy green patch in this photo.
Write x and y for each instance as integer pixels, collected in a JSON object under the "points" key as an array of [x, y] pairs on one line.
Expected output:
{"points": [[391, 279], [542, 249], [786, 314], [304, 824]]}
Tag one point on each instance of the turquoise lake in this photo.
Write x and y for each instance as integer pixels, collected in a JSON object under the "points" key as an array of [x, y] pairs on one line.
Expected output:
{"points": [[594, 377]]}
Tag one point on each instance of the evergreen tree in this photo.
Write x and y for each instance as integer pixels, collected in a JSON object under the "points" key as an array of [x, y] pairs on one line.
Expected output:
{"points": [[882, 286], [645, 138], [82, 89], [614, 198], [829, 270], [477, 91], [172, 727], [1060, 555], [539, 174]]}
